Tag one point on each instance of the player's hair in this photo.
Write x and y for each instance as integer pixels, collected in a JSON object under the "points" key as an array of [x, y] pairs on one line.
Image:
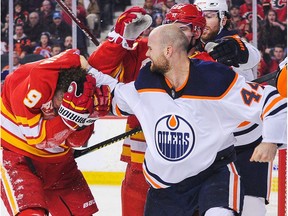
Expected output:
{"points": [[66, 76]]}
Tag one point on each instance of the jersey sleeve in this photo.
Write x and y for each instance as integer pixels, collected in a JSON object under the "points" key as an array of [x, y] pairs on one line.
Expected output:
{"points": [[255, 103], [113, 59], [125, 99], [253, 57], [107, 57]]}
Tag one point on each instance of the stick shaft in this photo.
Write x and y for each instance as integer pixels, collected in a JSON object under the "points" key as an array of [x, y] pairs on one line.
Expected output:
{"points": [[79, 153], [84, 28], [266, 77]]}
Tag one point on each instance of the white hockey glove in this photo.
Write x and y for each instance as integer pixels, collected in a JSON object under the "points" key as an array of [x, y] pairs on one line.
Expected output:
{"points": [[129, 26]]}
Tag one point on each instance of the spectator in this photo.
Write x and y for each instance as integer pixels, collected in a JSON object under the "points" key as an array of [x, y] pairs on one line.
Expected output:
{"points": [[278, 54], [55, 49], [59, 29], [20, 15], [280, 7], [167, 5], [149, 7], [272, 32], [246, 10], [93, 18], [68, 42], [81, 15], [267, 65], [4, 48], [5, 70], [22, 44], [157, 19], [236, 21], [248, 33], [44, 47], [33, 28], [5, 29], [46, 14]]}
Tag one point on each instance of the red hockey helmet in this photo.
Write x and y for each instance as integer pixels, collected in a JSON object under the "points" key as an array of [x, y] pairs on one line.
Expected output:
{"points": [[186, 13]]}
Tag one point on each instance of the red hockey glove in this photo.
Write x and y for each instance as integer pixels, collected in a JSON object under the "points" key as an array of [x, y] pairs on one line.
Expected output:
{"points": [[76, 107], [230, 50], [129, 26], [102, 101]]}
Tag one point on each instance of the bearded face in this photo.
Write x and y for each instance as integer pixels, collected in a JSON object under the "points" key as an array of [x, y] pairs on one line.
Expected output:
{"points": [[212, 26], [160, 65]]}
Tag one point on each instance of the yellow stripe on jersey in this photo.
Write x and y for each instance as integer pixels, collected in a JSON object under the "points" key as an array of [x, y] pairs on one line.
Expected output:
{"points": [[9, 191], [137, 157], [6, 112], [40, 138], [194, 54], [20, 144], [126, 150], [24, 121], [118, 73]]}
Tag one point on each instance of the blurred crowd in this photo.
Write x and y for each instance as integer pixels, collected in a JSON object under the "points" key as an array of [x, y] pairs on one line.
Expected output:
{"points": [[41, 29]]}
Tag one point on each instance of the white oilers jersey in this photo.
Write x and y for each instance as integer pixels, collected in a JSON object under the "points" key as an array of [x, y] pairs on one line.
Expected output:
{"points": [[186, 128]]}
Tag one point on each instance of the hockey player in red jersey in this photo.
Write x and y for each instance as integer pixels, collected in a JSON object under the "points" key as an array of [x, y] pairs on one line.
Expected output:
{"points": [[48, 107]]}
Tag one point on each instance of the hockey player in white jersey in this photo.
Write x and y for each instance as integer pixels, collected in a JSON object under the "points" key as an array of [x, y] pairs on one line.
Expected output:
{"points": [[188, 113]]}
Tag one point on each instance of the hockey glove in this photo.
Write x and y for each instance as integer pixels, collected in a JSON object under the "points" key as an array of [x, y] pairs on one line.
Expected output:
{"points": [[230, 50], [102, 101], [129, 26], [76, 107]]}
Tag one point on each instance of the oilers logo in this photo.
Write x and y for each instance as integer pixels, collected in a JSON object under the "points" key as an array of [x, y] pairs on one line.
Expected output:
{"points": [[174, 137]]}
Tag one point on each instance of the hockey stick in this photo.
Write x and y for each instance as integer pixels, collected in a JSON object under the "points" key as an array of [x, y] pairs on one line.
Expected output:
{"points": [[84, 29], [78, 153], [266, 77]]}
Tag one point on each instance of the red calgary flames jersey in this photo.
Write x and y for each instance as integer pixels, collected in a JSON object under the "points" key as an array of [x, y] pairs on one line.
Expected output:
{"points": [[26, 98]]}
